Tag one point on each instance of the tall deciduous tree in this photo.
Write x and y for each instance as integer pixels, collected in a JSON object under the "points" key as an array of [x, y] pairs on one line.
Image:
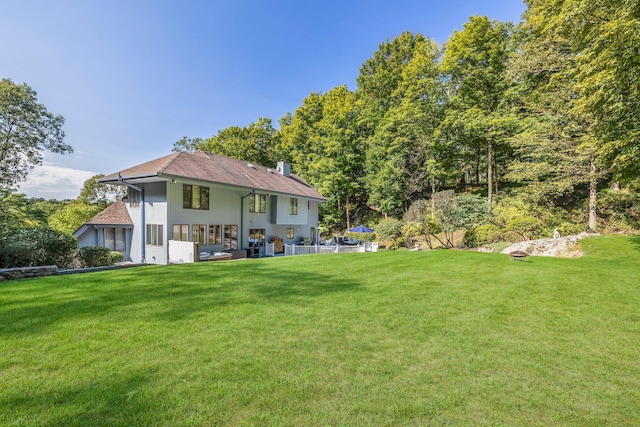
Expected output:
{"points": [[402, 97], [254, 143], [552, 152], [579, 68], [96, 193], [27, 130], [604, 36], [475, 60], [323, 142]]}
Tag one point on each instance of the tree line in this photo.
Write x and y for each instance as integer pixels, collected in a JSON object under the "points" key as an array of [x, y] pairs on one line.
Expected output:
{"points": [[545, 113], [539, 119]]}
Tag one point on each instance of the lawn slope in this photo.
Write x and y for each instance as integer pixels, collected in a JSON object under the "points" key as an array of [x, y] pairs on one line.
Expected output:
{"points": [[388, 338]]}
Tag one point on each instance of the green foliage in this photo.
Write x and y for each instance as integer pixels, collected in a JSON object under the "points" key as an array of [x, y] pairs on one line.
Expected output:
{"points": [[255, 143], [325, 148], [97, 256], [404, 155], [620, 210], [27, 130], [390, 230], [482, 235], [28, 247], [478, 116], [71, 217], [604, 36], [115, 257], [187, 145], [19, 212], [457, 212], [527, 227], [411, 231], [96, 193]]}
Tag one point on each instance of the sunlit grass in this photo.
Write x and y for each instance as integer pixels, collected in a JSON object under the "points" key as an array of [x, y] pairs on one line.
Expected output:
{"points": [[391, 338]]}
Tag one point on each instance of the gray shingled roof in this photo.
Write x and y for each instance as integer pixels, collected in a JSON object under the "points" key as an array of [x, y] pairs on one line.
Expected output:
{"points": [[114, 214], [224, 170]]}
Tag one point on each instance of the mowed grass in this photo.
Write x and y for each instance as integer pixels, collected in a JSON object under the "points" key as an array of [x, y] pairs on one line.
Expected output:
{"points": [[389, 338]]}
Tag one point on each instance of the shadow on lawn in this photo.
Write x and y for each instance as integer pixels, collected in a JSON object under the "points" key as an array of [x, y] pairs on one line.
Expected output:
{"points": [[170, 292], [114, 400]]}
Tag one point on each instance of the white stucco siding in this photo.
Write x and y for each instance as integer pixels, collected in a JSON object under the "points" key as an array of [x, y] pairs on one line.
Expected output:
{"points": [[282, 211], [224, 206], [307, 209], [155, 212]]}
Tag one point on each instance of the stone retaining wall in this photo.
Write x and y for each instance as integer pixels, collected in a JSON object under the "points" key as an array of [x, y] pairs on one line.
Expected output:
{"points": [[52, 270], [26, 272]]}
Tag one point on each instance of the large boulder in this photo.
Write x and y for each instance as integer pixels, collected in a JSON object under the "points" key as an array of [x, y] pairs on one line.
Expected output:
{"points": [[564, 247]]}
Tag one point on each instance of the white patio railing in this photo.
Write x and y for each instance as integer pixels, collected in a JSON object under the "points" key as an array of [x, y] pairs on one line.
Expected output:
{"points": [[322, 249]]}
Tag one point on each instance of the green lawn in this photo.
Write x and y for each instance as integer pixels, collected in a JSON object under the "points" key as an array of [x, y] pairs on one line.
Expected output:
{"points": [[389, 338]]}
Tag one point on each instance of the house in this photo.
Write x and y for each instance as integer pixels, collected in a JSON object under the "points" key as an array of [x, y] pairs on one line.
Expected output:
{"points": [[221, 203]]}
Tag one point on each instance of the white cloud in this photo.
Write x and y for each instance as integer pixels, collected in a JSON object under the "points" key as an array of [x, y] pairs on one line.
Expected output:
{"points": [[54, 182]]}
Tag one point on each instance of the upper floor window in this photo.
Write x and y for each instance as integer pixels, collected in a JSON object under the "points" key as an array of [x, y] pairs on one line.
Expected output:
{"points": [[258, 203], [293, 206], [134, 198], [195, 197]]}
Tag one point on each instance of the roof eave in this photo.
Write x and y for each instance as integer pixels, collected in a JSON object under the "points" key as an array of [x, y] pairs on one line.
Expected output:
{"points": [[120, 178]]}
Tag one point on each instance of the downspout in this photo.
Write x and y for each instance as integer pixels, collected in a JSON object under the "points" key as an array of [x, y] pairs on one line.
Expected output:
{"points": [[242, 217], [141, 191]]}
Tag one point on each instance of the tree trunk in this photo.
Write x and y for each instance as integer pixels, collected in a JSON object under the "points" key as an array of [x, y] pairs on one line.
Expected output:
{"points": [[433, 202], [490, 175], [593, 191], [346, 208]]}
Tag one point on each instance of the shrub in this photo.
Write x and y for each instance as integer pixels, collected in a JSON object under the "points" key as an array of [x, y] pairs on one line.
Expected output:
{"points": [[390, 230], [115, 257], [410, 232], [94, 256], [30, 247], [527, 227], [482, 235], [620, 210]]}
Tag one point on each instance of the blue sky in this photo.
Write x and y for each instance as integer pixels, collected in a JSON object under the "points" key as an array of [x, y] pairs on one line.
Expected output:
{"points": [[132, 77]]}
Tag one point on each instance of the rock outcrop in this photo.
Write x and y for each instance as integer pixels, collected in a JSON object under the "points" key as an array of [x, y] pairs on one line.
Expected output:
{"points": [[563, 247]]}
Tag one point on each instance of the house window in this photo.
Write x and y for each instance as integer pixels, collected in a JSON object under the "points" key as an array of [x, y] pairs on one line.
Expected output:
{"points": [[258, 203], [215, 234], [115, 239], [154, 234], [181, 232], [293, 206], [134, 198], [195, 197], [231, 237], [289, 233], [197, 233]]}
